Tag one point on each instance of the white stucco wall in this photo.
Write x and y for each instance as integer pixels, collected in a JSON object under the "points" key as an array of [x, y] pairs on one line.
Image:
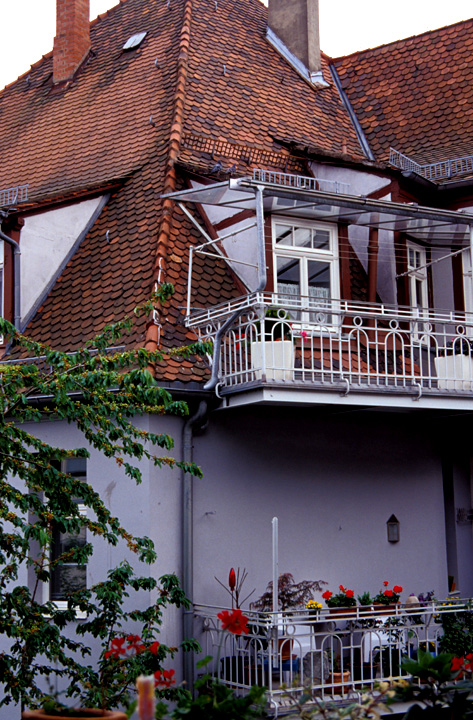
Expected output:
{"points": [[46, 240]]}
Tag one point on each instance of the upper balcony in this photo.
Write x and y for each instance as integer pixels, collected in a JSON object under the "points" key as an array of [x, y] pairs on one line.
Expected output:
{"points": [[281, 346], [296, 243]]}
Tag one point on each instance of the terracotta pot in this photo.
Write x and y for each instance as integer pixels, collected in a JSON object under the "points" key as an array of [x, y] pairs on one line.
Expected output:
{"points": [[382, 609], [348, 612], [285, 646], [93, 713], [338, 680]]}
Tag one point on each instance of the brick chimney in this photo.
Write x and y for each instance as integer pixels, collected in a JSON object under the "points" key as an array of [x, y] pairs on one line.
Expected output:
{"points": [[293, 25], [72, 41]]}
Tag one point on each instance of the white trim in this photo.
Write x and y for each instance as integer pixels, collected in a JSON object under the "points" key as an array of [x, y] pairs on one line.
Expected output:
{"points": [[314, 78]]}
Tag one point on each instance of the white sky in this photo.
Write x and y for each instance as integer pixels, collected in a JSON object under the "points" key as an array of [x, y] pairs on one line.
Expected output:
{"points": [[28, 26]]}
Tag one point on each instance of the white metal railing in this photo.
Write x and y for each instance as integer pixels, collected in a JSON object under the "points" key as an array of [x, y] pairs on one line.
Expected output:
{"points": [[301, 182], [324, 343], [337, 656], [432, 171]]}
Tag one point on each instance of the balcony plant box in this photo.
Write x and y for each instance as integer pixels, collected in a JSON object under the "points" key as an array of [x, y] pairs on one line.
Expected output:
{"points": [[454, 372], [338, 682], [278, 347]]}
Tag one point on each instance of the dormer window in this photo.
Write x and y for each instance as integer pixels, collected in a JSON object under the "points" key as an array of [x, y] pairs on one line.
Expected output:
{"points": [[306, 266]]}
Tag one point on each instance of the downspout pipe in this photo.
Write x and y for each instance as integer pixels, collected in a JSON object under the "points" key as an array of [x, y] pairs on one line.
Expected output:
{"points": [[262, 279], [198, 420], [16, 278]]}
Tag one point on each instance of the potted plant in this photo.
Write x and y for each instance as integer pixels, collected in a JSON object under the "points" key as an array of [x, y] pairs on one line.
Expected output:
{"points": [[278, 347], [366, 602], [313, 608], [454, 364], [387, 599], [339, 674], [291, 595], [340, 602]]}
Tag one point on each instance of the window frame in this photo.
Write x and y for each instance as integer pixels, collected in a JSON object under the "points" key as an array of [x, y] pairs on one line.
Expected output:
{"points": [[304, 255]]}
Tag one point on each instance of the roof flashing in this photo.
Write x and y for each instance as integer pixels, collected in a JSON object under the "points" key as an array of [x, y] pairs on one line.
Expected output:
{"points": [[316, 79], [134, 41]]}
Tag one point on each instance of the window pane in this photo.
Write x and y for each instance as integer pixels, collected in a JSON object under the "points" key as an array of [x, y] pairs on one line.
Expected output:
{"points": [[319, 291], [302, 237], [76, 467], [67, 579], [288, 281], [321, 239], [284, 234]]}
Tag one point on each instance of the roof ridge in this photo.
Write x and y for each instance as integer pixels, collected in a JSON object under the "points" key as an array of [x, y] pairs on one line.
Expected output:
{"points": [[152, 338], [400, 40]]}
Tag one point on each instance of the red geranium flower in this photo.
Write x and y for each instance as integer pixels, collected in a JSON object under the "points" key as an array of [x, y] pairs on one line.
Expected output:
{"points": [[235, 622], [164, 678], [135, 644], [327, 595], [457, 664], [388, 593], [349, 593], [342, 588], [116, 648], [386, 582], [232, 580], [469, 664], [397, 589], [154, 648]]}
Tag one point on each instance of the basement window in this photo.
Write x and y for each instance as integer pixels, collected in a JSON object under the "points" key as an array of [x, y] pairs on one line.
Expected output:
{"points": [[134, 41]]}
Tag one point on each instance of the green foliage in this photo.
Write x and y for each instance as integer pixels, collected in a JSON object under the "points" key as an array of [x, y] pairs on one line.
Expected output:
{"points": [[437, 695], [215, 701], [101, 390], [457, 632]]}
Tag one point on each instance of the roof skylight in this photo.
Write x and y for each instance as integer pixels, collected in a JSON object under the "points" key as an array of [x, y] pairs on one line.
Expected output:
{"points": [[134, 41]]}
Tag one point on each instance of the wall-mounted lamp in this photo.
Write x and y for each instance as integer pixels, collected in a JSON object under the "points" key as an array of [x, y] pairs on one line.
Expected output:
{"points": [[393, 529]]}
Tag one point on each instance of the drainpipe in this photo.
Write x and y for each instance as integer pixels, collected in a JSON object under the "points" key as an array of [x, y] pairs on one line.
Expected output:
{"points": [[213, 382], [16, 278], [198, 420]]}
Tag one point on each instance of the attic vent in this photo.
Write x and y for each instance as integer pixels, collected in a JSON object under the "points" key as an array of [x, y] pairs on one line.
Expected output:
{"points": [[134, 41]]}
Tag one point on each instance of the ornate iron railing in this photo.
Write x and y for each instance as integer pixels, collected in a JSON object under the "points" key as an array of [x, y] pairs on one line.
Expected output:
{"points": [[323, 343], [336, 656]]}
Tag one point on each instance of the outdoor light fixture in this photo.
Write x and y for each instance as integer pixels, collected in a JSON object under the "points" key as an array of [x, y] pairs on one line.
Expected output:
{"points": [[393, 529]]}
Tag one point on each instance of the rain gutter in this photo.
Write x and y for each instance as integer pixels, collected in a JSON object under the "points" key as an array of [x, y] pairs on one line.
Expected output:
{"points": [[198, 420]]}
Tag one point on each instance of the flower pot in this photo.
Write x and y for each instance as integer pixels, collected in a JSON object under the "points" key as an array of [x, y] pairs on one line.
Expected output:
{"points": [[80, 713], [279, 358], [347, 612], [382, 609], [338, 682], [454, 372]]}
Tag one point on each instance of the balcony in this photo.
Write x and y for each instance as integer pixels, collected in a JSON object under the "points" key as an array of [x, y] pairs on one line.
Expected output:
{"points": [[320, 347], [336, 655]]}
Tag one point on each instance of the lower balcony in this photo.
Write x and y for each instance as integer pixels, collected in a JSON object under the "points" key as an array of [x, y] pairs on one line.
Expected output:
{"points": [[337, 655], [294, 343]]}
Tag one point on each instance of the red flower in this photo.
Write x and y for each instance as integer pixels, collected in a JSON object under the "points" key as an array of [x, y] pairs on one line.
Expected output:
{"points": [[397, 589], [116, 648], [235, 622], [388, 593], [349, 593], [469, 664], [164, 678], [342, 588], [154, 648], [232, 580], [386, 582], [327, 595], [457, 664], [135, 644]]}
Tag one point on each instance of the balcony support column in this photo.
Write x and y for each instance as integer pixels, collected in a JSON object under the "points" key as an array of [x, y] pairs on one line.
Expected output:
{"points": [[373, 245]]}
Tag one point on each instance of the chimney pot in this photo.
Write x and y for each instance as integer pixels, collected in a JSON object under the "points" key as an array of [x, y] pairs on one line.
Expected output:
{"points": [[72, 41]]}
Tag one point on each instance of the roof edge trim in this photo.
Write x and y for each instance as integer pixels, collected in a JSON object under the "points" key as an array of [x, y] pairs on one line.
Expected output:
{"points": [[351, 113]]}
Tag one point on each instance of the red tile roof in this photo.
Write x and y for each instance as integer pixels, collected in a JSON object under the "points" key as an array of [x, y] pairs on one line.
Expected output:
{"points": [[415, 95]]}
